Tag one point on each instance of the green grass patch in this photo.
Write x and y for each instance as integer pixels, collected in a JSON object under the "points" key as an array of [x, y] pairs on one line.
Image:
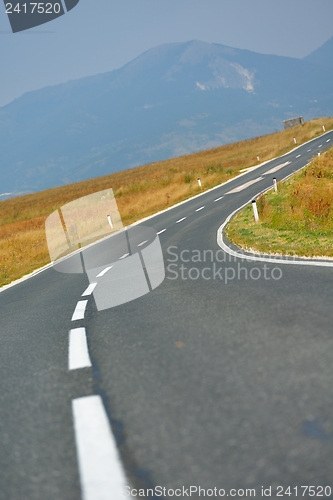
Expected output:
{"points": [[297, 220]]}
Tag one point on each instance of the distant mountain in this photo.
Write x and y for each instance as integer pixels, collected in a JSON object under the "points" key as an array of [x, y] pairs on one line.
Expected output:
{"points": [[323, 55], [172, 100]]}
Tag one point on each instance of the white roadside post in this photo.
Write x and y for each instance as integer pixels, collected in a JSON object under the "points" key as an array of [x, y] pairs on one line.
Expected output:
{"points": [[275, 184], [323, 127], [109, 221], [255, 210], [295, 140], [199, 182]]}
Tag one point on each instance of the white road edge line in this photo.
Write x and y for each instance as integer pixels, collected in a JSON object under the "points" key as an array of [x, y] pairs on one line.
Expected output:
{"points": [[162, 231], [180, 220], [80, 309], [89, 290], [257, 258], [78, 353], [144, 219], [101, 472], [201, 208], [103, 272], [253, 257]]}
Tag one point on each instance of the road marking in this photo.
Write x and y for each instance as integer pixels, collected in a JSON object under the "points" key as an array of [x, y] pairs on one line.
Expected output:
{"points": [[162, 231], [309, 150], [78, 354], [103, 272], [180, 220], [328, 140], [298, 156], [218, 199], [248, 169], [244, 186], [256, 257], [275, 169], [89, 290], [320, 146], [172, 207], [201, 208], [101, 473], [124, 256], [80, 310], [142, 243]]}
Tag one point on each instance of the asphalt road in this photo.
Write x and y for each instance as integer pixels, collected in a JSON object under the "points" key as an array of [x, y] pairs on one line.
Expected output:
{"points": [[220, 377]]}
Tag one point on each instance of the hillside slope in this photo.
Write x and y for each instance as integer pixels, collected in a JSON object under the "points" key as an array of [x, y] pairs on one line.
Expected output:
{"points": [[139, 192]]}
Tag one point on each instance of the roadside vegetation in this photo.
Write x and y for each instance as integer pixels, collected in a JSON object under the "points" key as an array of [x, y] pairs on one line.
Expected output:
{"points": [[297, 220], [139, 192]]}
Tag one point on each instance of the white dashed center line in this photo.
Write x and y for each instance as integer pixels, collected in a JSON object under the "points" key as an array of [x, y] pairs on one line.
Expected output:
{"points": [[78, 354], [201, 208], [142, 243], [309, 150], [218, 199], [180, 220], [80, 310], [328, 140], [101, 472], [124, 256], [320, 146], [89, 290], [275, 169], [244, 186], [103, 272], [298, 156], [162, 231]]}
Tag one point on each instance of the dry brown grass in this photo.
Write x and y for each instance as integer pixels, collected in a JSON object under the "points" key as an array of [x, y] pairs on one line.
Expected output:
{"points": [[139, 192]]}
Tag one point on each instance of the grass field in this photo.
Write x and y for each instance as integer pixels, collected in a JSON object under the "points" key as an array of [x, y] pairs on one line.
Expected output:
{"points": [[297, 220], [139, 192]]}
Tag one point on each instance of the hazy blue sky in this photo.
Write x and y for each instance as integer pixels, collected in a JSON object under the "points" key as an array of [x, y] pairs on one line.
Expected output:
{"points": [[101, 35]]}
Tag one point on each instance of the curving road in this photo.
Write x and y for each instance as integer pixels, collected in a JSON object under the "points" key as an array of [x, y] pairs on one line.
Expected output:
{"points": [[221, 377]]}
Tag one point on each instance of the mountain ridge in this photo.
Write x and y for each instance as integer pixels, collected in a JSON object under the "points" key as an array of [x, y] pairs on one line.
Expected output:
{"points": [[323, 55], [171, 100]]}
